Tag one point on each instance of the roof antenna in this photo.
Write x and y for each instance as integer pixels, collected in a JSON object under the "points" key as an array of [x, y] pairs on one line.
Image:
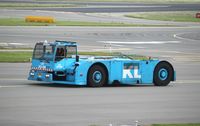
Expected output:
{"points": [[45, 41]]}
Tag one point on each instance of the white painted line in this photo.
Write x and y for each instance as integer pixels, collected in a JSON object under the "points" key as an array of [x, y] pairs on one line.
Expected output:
{"points": [[13, 79], [107, 49], [116, 45], [140, 42], [38, 36], [140, 47], [16, 43], [9, 35], [12, 86], [179, 37], [13, 44], [187, 82]]}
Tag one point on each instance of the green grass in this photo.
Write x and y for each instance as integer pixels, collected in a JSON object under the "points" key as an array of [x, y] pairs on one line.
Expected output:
{"points": [[183, 16], [24, 56], [15, 56], [18, 22], [80, 23], [30, 5], [135, 1], [188, 124], [21, 22], [153, 1]]}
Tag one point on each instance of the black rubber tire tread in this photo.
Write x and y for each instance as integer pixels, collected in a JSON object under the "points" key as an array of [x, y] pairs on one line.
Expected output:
{"points": [[157, 81], [90, 81]]}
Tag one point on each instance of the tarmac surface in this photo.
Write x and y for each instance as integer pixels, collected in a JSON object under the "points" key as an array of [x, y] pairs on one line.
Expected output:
{"points": [[28, 103], [129, 8], [109, 7], [34, 103], [90, 17], [156, 41]]}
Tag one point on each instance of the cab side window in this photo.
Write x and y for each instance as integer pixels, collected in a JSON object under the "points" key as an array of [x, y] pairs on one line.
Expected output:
{"points": [[60, 53]]}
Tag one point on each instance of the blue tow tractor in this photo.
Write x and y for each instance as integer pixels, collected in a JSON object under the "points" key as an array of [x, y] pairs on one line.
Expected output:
{"points": [[58, 62]]}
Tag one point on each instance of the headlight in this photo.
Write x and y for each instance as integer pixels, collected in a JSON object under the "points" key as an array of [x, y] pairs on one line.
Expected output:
{"points": [[47, 75], [32, 73]]}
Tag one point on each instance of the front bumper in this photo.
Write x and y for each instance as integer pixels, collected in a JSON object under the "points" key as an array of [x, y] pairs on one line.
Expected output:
{"points": [[48, 77]]}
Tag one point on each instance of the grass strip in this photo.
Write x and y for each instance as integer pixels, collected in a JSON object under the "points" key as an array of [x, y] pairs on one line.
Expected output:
{"points": [[25, 56], [134, 1], [14, 57], [21, 22], [32, 5], [183, 16], [187, 124]]}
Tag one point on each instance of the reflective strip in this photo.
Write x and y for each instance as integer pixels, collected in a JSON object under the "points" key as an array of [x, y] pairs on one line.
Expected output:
{"points": [[42, 69]]}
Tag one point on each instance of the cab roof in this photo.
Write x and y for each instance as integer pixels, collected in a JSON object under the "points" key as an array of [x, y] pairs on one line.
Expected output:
{"points": [[59, 42]]}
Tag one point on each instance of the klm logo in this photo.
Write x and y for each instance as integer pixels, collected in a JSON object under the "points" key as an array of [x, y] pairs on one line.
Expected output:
{"points": [[131, 71]]}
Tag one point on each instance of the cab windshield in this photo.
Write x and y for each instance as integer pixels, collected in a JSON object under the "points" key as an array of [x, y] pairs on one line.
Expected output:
{"points": [[50, 52], [44, 52]]}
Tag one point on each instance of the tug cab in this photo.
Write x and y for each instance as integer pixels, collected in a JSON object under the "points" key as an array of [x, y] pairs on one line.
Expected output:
{"points": [[50, 60], [54, 51]]}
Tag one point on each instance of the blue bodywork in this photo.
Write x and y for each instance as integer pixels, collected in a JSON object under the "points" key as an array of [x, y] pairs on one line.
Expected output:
{"points": [[70, 71]]}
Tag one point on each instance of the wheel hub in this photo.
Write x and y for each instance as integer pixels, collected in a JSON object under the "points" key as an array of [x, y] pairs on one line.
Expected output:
{"points": [[97, 76], [163, 74]]}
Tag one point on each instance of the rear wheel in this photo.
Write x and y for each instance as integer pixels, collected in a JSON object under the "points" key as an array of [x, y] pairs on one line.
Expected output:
{"points": [[96, 76], [163, 74]]}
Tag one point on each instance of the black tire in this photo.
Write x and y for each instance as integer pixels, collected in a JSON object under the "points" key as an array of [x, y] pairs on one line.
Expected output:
{"points": [[163, 74], [97, 76]]}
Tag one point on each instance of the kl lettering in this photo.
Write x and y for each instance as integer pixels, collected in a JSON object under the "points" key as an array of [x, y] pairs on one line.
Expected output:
{"points": [[127, 72]]}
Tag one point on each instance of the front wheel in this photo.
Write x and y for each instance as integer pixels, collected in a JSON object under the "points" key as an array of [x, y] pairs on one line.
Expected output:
{"points": [[163, 74], [97, 76]]}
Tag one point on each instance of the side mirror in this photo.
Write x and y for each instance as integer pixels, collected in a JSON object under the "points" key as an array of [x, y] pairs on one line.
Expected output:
{"points": [[76, 64], [77, 58]]}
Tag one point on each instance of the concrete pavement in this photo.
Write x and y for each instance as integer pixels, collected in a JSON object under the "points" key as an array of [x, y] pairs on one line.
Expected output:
{"points": [[28, 103], [31, 103]]}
